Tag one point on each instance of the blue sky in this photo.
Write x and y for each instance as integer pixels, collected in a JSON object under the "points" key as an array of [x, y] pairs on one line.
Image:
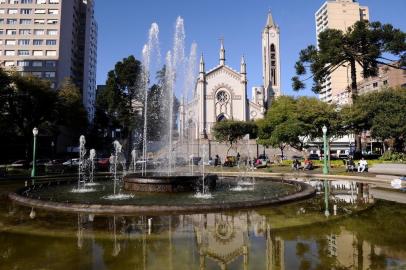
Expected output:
{"points": [[124, 24]]}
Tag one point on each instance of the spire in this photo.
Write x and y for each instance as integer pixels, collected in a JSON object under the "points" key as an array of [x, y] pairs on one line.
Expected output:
{"points": [[243, 68], [269, 21], [202, 68], [222, 53]]}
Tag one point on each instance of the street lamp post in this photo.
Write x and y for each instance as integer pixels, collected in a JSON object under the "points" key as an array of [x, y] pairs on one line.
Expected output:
{"points": [[325, 170], [34, 150]]}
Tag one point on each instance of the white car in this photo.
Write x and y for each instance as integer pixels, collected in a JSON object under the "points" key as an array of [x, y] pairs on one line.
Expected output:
{"points": [[71, 162]]}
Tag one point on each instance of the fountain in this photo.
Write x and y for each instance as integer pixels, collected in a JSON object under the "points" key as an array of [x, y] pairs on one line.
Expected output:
{"points": [[167, 189]]}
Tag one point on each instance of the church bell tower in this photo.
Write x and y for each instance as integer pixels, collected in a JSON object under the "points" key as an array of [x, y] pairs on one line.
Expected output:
{"points": [[271, 64]]}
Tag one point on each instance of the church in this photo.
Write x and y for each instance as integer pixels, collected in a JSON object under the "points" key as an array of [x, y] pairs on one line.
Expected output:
{"points": [[221, 92]]}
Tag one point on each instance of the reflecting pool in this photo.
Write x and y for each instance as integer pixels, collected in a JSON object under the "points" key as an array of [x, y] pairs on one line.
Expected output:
{"points": [[359, 232]]}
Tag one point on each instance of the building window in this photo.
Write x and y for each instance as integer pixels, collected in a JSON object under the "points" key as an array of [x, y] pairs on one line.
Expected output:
{"points": [[39, 32], [24, 42], [12, 11], [38, 53], [49, 74], [40, 11], [23, 63], [41, 1], [222, 97], [39, 21], [11, 21], [50, 53], [11, 42], [37, 64], [26, 11], [54, 1], [25, 21], [53, 11], [51, 42], [9, 53], [23, 52], [25, 32], [52, 21], [37, 74], [26, 1], [385, 82], [37, 42], [52, 32], [9, 63], [50, 64], [375, 85]]}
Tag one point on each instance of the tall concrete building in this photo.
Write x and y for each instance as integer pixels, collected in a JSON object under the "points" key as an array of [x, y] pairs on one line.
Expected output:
{"points": [[53, 40], [339, 14]]}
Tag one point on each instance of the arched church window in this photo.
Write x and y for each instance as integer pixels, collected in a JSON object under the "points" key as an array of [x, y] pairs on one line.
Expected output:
{"points": [[222, 97]]}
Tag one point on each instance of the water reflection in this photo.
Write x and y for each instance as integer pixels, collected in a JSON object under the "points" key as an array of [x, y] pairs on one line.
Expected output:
{"points": [[294, 236]]}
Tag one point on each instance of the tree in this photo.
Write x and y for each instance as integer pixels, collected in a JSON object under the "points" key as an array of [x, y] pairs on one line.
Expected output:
{"points": [[158, 108], [365, 43], [383, 113], [295, 121], [118, 104], [72, 113], [231, 131], [27, 102]]}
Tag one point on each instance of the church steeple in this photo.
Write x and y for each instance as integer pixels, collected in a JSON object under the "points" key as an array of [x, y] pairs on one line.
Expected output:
{"points": [[202, 67], [222, 54], [271, 66], [243, 68], [269, 22]]}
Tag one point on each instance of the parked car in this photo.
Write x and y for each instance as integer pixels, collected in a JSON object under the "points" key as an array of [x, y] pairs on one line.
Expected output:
{"points": [[20, 164], [314, 157], [150, 164], [71, 162], [195, 160], [343, 156], [41, 162], [102, 163]]}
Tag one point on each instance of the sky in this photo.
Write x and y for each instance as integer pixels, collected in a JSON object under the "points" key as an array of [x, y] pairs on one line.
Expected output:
{"points": [[124, 25]]}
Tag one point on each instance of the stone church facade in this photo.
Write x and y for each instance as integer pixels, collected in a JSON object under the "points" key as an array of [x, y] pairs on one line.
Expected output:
{"points": [[221, 93]]}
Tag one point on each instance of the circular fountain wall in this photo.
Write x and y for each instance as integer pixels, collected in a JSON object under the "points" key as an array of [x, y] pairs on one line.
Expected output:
{"points": [[229, 194], [165, 183]]}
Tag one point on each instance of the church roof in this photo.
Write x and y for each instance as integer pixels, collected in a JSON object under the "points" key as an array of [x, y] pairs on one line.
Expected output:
{"points": [[213, 70]]}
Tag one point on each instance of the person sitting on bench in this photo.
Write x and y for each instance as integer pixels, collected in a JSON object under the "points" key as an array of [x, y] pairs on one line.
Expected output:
{"points": [[363, 165]]}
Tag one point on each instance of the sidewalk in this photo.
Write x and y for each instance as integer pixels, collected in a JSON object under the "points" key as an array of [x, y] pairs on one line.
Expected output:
{"points": [[389, 169]]}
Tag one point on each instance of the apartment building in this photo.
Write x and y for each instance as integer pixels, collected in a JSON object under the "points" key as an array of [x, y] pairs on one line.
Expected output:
{"points": [[387, 77], [53, 40], [339, 14]]}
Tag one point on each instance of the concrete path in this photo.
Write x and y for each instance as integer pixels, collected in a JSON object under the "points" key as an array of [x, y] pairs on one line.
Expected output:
{"points": [[389, 169], [387, 195]]}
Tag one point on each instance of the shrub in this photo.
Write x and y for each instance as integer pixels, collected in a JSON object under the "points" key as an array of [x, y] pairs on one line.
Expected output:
{"points": [[394, 156]]}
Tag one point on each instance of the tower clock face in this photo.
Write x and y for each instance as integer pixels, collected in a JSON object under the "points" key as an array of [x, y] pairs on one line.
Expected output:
{"points": [[272, 34]]}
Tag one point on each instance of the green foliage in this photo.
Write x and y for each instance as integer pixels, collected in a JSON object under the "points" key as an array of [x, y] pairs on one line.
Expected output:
{"points": [[383, 113], [394, 156], [119, 104], [72, 113], [292, 121], [364, 43], [231, 131], [26, 102]]}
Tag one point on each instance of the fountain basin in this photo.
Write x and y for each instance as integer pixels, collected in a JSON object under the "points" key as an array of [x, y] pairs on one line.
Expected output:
{"points": [[169, 184], [57, 196]]}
